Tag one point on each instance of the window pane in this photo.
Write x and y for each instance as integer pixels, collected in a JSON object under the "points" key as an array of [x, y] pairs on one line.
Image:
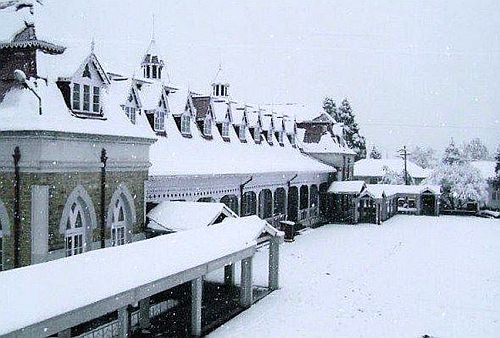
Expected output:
{"points": [[76, 96], [86, 98], [95, 106]]}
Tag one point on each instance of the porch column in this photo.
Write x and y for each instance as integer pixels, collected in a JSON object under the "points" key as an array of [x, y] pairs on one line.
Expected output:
{"points": [[123, 322], [144, 321], [356, 210], [436, 205], [196, 295], [229, 274], [274, 263], [246, 297]]}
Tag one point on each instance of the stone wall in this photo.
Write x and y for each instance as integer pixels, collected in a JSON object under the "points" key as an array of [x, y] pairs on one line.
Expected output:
{"points": [[60, 187]]}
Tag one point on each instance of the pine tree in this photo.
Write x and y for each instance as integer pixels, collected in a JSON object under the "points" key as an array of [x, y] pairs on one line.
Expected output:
{"points": [[424, 157], [475, 150], [375, 154], [330, 108], [496, 181], [351, 129], [452, 154]]}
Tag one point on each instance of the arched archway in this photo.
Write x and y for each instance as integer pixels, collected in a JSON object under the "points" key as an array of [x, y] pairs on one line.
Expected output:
{"points": [[293, 204], [279, 201], [77, 221], [265, 204], [231, 201], [304, 197], [249, 204], [428, 203], [121, 215]]}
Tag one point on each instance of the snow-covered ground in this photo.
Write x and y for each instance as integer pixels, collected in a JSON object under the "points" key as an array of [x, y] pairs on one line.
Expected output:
{"points": [[411, 276]]}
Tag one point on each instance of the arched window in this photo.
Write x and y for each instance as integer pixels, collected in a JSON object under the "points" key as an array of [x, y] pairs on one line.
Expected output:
{"points": [[118, 224], [75, 230], [121, 216], [77, 221], [185, 124]]}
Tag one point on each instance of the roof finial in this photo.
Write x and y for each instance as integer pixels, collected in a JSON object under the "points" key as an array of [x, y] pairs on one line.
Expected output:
{"points": [[153, 34], [92, 45]]}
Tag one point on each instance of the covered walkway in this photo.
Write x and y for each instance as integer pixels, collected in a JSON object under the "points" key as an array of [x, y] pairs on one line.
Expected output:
{"points": [[97, 283]]}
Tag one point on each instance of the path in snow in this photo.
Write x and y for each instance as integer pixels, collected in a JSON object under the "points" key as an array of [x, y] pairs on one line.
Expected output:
{"points": [[411, 276]]}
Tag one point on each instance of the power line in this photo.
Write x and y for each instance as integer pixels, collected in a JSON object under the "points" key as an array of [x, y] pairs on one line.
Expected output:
{"points": [[429, 126]]}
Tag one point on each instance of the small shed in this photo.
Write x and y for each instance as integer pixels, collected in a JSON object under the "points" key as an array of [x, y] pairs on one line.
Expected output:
{"points": [[345, 194], [175, 216]]}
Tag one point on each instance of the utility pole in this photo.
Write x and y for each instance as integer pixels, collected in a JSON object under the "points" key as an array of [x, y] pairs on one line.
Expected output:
{"points": [[104, 159], [403, 153]]}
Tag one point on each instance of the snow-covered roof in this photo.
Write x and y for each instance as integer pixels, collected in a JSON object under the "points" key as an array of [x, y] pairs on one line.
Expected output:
{"points": [[190, 249], [150, 95], [177, 101], [377, 190], [487, 168], [253, 226], [178, 155], [375, 168], [180, 215], [346, 187], [326, 145], [220, 109], [19, 110]]}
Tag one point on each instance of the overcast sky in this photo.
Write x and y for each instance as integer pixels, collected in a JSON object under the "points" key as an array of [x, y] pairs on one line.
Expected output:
{"points": [[416, 72]]}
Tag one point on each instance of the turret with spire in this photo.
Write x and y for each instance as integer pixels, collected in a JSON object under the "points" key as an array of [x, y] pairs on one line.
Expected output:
{"points": [[220, 85], [152, 64]]}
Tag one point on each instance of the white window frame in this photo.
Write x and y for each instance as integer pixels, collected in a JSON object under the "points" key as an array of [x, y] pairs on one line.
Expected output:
{"points": [[118, 227], [86, 98], [185, 124], [96, 99], [207, 126], [257, 136], [74, 237], [76, 103], [242, 132], [131, 113], [160, 119], [225, 129]]}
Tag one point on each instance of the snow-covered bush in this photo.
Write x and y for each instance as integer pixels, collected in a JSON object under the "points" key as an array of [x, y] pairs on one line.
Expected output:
{"points": [[461, 183], [424, 157], [392, 177], [375, 153]]}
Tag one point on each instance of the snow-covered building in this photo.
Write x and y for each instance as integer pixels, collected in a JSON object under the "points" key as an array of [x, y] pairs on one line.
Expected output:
{"points": [[85, 140], [72, 165], [358, 202], [487, 169], [372, 171], [323, 139]]}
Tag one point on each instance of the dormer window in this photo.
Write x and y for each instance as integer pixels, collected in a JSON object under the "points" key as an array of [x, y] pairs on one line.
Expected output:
{"points": [[207, 127], [257, 135], [292, 139], [280, 137], [130, 112], [96, 100], [159, 120], [225, 129], [185, 124], [270, 136], [242, 133], [76, 96], [86, 98]]}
